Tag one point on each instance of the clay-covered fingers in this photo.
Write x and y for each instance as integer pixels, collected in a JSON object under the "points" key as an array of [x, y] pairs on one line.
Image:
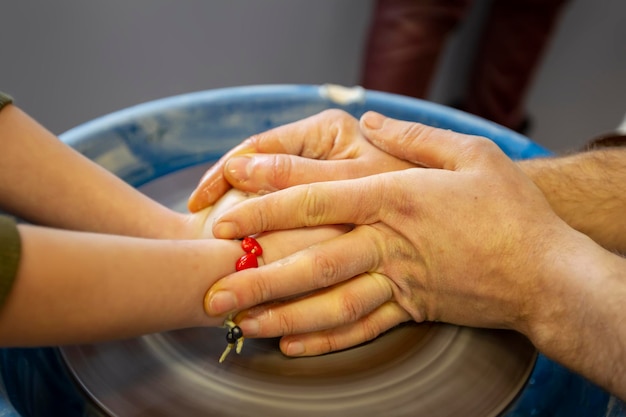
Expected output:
{"points": [[315, 137], [212, 186], [367, 328], [342, 316], [263, 173], [317, 267], [427, 145], [356, 201], [340, 304], [280, 244], [331, 147]]}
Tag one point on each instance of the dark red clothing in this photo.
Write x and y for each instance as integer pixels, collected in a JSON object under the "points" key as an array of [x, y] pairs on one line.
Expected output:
{"points": [[407, 37]]}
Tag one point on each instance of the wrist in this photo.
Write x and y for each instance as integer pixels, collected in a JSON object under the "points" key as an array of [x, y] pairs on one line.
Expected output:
{"points": [[572, 291], [216, 259], [548, 175], [581, 321], [175, 226], [231, 254]]}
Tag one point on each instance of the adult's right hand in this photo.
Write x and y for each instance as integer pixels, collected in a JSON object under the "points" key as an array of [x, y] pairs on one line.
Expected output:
{"points": [[470, 241]]}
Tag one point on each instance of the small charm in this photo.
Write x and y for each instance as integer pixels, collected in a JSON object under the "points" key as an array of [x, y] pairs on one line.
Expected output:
{"points": [[234, 337]]}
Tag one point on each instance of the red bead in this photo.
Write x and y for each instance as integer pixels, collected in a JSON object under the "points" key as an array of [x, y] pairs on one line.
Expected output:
{"points": [[249, 260], [250, 245]]}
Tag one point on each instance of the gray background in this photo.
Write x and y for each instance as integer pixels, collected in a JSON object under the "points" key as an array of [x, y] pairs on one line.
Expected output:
{"points": [[68, 61]]}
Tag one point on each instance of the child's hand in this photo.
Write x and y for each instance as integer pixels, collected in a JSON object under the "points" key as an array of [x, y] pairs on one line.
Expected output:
{"points": [[199, 225]]}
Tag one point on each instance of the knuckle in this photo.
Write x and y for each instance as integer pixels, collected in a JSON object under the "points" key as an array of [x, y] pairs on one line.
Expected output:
{"points": [[280, 171], [314, 206], [329, 126], [259, 215], [334, 114], [339, 120], [351, 309], [475, 144], [254, 141], [399, 249], [386, 185], [327, 270], [260, 290], [286, 324], [370, 328], [329, 343], [413, 132], [478, 146]]}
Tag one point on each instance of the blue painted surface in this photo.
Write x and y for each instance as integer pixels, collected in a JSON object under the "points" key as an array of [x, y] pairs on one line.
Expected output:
{"points": [[159, 137], [151, 140]]}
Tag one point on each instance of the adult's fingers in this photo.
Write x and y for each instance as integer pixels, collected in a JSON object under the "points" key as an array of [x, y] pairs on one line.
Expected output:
{"points": [[213, 185], [278, 245], [425, 145], [313, 138], [337, 202], [319, 266], [341, 304], [263, 173], [366, 328]]}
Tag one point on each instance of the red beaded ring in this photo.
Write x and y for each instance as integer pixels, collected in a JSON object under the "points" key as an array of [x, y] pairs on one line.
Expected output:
{"points": [[234, 337], [249, 260]]}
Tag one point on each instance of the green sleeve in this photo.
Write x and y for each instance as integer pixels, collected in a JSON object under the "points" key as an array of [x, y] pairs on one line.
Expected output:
{"points": [[5, 99], [10, 243], [10, 247]]}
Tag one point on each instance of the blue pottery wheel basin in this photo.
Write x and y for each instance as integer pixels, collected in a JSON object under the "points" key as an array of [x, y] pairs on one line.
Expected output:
{"points": [[163, 147]]}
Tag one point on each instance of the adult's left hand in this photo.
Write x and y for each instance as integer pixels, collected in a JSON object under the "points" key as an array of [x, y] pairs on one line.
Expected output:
{"points": [[324, 147], [467, 241]]}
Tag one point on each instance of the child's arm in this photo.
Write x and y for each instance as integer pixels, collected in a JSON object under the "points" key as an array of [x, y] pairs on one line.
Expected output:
{"points": [[75, 287], [46, 182]]}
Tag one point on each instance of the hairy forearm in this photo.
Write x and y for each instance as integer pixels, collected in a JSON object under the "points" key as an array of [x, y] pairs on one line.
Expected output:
{"points": [[579, 320], [46, 182], [583, 323], [80, 287], [588, 191]]}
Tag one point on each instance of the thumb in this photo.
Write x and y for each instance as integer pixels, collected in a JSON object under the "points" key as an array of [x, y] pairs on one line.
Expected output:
{"points": [[421, 144]]}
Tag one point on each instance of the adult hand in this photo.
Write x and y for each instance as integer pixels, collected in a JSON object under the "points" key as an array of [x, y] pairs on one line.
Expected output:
{"points": [[467, 242], [296, 153]]}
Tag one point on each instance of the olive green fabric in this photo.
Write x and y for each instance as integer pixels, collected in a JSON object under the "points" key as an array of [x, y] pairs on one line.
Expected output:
{"points": [[5, 99], [10, 247], [10, 243]]}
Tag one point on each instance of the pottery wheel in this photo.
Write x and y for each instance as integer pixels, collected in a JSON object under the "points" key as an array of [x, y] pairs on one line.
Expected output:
{"points": [[428, 369], [413, 370]]}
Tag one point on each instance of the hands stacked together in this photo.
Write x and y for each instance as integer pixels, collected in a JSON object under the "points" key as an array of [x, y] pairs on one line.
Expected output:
{"points": [[446, 228], [443, 227], [366, 224]]}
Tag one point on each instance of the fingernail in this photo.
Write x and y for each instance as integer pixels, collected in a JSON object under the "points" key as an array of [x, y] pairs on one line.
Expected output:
{"points": [[225, 230], [239, 168], [373, 120], [222, 302], [295, 348], [249, 327]]}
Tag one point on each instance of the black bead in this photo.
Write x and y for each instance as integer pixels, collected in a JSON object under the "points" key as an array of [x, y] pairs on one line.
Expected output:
{"points": [[234, 334]]}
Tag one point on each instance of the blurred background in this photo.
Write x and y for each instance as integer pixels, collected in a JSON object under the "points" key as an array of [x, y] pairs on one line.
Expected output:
{"points": [[69, 61]]}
